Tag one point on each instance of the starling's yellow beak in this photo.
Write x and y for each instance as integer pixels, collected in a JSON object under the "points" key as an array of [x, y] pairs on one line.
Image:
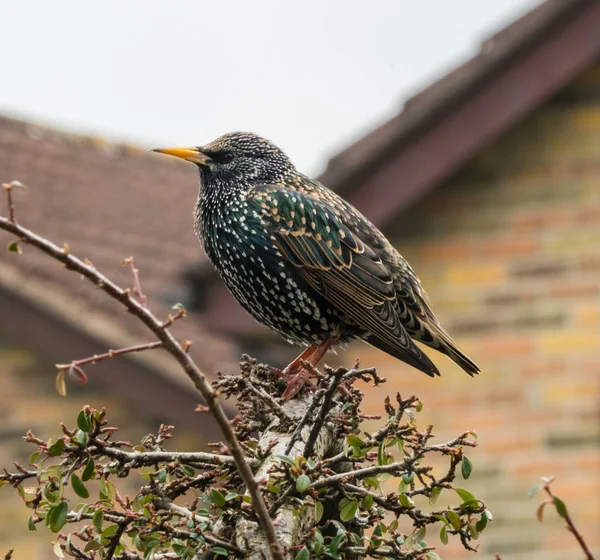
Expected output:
{"points": [[189, 154]]}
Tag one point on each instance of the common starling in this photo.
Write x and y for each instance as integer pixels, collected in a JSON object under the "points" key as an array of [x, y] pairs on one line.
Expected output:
{"points": [[304, 262]]}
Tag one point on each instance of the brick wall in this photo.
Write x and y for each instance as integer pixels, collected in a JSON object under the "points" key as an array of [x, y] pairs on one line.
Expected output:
{"points": [[28, 400], [509, 252]]}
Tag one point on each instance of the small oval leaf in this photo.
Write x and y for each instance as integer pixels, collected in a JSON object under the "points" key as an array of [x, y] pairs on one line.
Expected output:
{"points": [[466, 467], [303, 554], [348, 509], [302, 483], [79, 487], [57, 516]]}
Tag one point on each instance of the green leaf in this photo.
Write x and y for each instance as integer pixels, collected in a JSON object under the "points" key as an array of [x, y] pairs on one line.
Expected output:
{"points": [[371, 482], [88, 471], [34, 457], [454, 519], [285, 459], [367, 502], [81, 437], [482, 523], [109, 532], [219, 550], [337, 540], [14, 247], [215, 497], [92, 545], [84, 422], [435, 494], [302, 483], [78, 487], [389, 441], [561, 508], [31, 525], [318, 544], [533, 491], [318, 511], [405, 500], [465, 495], [98, 520], [56, 548], [303, 554], [56, 448], [189, 471], [444, 535], [348, 509], [162, 476], [57, 516], [466, 467], [354, 441]]}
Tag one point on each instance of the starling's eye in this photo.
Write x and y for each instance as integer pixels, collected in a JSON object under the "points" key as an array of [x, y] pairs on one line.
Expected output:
{"points": [[222, 157]]}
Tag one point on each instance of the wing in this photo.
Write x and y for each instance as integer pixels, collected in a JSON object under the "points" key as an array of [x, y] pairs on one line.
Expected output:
{"points": [[332, 258]]}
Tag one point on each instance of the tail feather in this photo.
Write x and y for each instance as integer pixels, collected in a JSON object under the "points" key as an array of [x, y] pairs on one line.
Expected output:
{"points": [[447, 346], [421, 362]]}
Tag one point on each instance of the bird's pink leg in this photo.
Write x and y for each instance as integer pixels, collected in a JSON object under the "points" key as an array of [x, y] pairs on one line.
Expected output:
{"points": [[292, 369], [301, 374]]}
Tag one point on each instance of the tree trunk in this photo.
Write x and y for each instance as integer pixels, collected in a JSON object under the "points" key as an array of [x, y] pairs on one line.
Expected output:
{"points": [[289, 525]]}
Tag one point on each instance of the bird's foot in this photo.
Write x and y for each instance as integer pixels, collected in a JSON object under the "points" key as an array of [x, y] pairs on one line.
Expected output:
{"points": [[302, 368], [298, 379]]}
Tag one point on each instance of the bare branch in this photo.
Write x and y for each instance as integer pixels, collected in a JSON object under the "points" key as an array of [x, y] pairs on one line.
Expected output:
{"points": [[110, 354], [171, 345], [137, 287], [564, 513], [9, 187], [336, 377], [136, 459]]}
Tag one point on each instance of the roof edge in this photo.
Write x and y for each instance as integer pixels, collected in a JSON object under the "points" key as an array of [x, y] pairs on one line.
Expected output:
{"points": [[347, 169]]}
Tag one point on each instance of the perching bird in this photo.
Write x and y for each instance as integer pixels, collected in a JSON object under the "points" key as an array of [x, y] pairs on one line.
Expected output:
{"points": [[304, 262]]}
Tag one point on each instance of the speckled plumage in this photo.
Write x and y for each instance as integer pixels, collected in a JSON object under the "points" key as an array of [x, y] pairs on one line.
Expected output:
{"points": [[304, 262]]}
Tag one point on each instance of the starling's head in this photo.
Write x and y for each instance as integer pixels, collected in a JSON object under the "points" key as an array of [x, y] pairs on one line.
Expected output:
{"points": [[237, 157]]}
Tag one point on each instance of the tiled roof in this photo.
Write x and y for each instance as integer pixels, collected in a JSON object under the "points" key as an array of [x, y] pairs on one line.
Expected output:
{"points": [[107, 202]]}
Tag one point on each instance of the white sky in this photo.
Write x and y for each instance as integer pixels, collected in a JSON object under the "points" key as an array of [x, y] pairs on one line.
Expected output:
{"points": [[311, 75]]}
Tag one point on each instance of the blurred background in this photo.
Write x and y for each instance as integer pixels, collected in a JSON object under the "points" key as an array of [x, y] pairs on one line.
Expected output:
{"points": [[469, 132]]}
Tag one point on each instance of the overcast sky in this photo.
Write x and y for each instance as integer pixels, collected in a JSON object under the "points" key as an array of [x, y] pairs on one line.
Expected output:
{"points": [[311, 75]]}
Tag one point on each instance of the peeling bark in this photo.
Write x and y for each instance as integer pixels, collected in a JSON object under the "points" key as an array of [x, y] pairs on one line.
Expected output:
{"points": [[289, 527]]}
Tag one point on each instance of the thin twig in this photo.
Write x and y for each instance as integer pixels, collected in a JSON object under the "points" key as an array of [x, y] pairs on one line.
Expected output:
{"points": [[111, 353], [269, 400], [305, 419], [312, 438], [137, 287], [570, 524], [361, 473], [116, 539], [135, 459], [8, 187], [171, 345]]}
